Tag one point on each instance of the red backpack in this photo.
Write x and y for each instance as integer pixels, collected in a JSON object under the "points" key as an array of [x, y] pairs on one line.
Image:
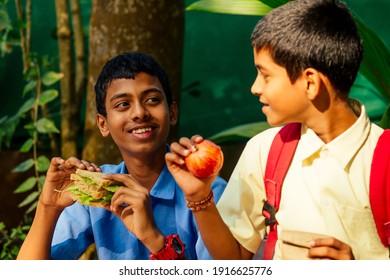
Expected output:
{"points": [[279, 158]]}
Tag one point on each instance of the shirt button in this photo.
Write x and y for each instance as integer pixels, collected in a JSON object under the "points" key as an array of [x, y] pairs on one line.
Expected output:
{"points": [[325, 153]]}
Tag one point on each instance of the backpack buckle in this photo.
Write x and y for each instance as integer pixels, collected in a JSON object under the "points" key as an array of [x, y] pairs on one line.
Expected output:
{"points": [[269, 213]]}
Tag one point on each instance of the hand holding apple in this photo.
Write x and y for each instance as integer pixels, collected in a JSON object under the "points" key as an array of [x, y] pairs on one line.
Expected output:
{"points": [[206, 161]]}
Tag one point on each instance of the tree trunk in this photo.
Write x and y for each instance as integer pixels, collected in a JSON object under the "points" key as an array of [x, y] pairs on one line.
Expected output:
{"points": [[68, 133], [155, 27], [25, 34], [79, 49]]}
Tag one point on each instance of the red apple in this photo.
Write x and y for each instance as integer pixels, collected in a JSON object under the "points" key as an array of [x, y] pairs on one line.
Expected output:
{"points": [[206, 161]]}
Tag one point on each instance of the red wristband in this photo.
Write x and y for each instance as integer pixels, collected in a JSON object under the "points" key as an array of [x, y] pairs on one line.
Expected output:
{"points": [[173, 249]]}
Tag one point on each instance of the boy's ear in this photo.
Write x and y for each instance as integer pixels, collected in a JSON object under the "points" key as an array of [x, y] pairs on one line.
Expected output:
{"points": [[102, 124], [173, 113], [313, 80]]}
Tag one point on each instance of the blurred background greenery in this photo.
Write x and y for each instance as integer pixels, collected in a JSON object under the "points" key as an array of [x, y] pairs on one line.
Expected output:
{"points": [[217, 66], [215, 101]]}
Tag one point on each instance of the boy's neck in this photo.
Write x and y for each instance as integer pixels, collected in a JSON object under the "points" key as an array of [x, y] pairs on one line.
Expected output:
{"points": [[145, 170], [333, 122]]}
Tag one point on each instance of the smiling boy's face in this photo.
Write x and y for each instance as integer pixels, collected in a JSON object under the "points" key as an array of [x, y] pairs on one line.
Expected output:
{"points": [[282, 100], [138, 116]]}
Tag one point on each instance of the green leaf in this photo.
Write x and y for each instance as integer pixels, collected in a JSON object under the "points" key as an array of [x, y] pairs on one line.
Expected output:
{"points": [[7, 129], [3, 120], [243, 7], [48, 96], [26, 185], [27, 146], [33, 206], [385, 122], [30, 86], [274, 3], [51, 77], [30, 126], [27, 106], [239, 133], [376, 60], [24, 166], [4, 20], [45, 125], [43, 163], [30, 198], [41, 181]]}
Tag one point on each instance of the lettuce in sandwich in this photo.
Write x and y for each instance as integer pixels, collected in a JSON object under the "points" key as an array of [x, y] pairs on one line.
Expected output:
{"points": [[91, 189]]}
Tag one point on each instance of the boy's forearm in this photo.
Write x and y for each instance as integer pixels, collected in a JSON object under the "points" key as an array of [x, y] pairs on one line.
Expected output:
{"points": [[217, 237], [37, 245]]}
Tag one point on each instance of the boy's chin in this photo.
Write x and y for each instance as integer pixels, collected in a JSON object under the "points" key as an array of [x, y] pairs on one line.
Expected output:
{"points": [[278, 122], [275, 123]]}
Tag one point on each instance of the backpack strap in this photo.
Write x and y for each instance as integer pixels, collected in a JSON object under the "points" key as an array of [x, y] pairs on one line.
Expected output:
{"points": [[279, 158], [380, 187]]}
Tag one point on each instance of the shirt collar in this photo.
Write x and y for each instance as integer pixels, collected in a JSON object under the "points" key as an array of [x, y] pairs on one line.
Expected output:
{"points": [[165, 186], [342, 148]]}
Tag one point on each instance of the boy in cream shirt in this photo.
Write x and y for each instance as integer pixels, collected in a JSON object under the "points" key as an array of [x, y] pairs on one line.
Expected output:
{"points": [[307, 55]]}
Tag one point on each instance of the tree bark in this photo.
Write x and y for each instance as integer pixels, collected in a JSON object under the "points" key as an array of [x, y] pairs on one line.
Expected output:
{"points": [[80, 54], [25, 34], [155, 27], [68, 108]]}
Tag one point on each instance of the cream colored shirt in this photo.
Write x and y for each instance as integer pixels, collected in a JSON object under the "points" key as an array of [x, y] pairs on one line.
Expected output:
{"points": [[326, 190]]}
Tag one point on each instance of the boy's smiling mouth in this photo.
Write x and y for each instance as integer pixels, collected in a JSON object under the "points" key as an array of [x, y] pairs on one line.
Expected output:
{"points": [[141, 130]]}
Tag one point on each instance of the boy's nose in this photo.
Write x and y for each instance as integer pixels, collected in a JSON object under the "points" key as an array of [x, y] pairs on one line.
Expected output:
{"points": [[256, 88], [139, 111]]}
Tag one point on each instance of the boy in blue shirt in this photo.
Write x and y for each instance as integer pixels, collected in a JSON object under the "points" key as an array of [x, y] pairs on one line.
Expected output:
{"points": [[148, 217]]}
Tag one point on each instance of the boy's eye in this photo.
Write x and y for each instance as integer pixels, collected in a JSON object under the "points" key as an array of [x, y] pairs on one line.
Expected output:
{"points": [[121, 104], [263, 76], [153, 100]]}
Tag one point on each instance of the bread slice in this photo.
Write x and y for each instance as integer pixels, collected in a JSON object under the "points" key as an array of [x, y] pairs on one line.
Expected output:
{"points": [[91, 189], [95, 177]]}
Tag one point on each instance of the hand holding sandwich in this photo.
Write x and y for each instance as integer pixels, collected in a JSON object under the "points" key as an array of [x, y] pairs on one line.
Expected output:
{"points": [[123, 195], [58, 179], [53, 200], [131, 204]]}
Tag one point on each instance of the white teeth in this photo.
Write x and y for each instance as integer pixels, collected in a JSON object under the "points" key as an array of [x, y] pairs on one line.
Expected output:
{"points": [[142, 130]]}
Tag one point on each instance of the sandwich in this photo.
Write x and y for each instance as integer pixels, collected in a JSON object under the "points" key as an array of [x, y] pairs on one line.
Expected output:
{"points": [[91, 189]]}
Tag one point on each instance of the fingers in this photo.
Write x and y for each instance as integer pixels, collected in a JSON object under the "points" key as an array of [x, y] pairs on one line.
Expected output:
{"points": [[130, 197], [177, 155], [132, 190], [186, 145], [71, 164], [330, 248], [182, 149], [91, 166], [126, 179], [127, 200], [55, 163]]}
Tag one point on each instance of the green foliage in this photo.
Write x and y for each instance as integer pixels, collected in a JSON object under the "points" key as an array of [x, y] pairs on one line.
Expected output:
{"points": [[38, 92], [239, 133], [243, 7], [38, 126], [12, 239], [385, 122]]}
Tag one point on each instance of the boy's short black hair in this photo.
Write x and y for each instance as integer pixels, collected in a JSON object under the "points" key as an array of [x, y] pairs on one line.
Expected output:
{"points": [[126, 66], [321, 34]]}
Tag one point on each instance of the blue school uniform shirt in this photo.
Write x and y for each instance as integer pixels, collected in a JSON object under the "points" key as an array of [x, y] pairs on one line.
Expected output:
{"points": [[79, 226]]}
